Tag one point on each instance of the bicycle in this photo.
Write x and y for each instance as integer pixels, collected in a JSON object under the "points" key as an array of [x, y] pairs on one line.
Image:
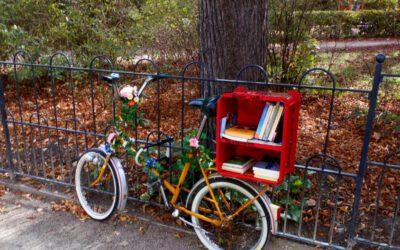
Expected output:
{"points": [[224, 212]]}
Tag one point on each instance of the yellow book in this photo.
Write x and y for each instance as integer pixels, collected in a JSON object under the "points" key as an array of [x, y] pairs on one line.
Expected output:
{"points": [[240, 132]]}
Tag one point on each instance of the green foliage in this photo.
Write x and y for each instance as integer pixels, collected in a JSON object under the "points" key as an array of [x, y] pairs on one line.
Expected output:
{"points": [[380, 4], [343, 24], [295, 184], [197, 157], [87, 28], [291, 48]]}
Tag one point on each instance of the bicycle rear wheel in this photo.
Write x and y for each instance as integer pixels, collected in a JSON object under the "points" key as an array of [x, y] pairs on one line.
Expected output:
{"points": [[97, 189], [249, 230]]}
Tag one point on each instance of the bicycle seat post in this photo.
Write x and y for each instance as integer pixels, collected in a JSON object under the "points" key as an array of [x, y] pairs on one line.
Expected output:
{"points": [[207, 107], [201, 127]]}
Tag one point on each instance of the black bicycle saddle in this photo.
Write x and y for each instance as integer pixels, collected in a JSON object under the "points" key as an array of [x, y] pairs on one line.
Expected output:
{"points": [[207, 105]]}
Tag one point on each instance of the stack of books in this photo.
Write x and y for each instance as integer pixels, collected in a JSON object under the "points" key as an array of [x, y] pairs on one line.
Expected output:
{"points": [[238, 164], [267, 129], [268, 124], [267, 170]]}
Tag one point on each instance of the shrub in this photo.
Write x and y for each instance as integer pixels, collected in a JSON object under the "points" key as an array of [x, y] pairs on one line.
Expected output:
{"points": [[88, 28], [366, 23], [380, 4]]}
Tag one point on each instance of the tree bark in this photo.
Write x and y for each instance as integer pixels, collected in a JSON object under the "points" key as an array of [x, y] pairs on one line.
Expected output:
{"points": [[233, 34]]}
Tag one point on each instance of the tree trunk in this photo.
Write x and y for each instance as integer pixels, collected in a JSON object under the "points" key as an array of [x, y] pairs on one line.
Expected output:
{"points": [[233, 34]]}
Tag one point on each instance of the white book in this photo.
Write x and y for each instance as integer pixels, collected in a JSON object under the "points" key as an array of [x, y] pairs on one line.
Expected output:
{"points": [[273, 174], [223, 125], [267, 117], [278, 117], [236, 170], [268, 178], [270, 122], [233, 165], [259, 141], [234, 138]]}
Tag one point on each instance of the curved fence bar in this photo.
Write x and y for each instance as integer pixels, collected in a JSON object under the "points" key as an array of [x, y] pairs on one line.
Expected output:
{"points": [[183, 73], [110, 65], [253, 66], [331, 104]]}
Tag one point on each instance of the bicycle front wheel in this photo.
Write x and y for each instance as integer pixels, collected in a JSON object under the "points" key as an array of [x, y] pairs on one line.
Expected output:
{"points": [[250, 229], [97, 188]]}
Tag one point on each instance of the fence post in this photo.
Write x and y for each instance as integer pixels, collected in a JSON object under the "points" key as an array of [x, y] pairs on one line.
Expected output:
{"points": [[10, 164], [373, 98]]}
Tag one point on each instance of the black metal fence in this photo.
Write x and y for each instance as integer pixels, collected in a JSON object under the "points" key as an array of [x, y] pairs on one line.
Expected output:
{"points": [[51, 113]]}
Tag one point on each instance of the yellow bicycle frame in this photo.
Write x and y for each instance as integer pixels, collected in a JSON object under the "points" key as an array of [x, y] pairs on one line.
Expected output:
{"points": [[175, 190]]}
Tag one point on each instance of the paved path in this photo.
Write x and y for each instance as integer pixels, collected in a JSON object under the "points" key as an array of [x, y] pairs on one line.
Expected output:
{"points": [[27, 223], [364, 44]]}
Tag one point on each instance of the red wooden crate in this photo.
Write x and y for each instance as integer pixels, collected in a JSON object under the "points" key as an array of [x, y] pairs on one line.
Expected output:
{"points": [[248, 105]]}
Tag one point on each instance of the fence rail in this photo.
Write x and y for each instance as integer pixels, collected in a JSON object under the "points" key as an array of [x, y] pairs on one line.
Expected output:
{"points": [[67, 109]]}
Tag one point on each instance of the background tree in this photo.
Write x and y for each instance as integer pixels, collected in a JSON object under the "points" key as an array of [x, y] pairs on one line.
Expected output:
{"points": [[233, 34]]}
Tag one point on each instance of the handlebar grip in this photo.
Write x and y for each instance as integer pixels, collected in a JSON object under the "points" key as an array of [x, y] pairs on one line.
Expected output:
{"points": [[141, 150]]}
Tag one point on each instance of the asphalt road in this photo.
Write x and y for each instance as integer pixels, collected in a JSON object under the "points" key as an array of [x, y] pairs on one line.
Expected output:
{"points": [[29, 223]]}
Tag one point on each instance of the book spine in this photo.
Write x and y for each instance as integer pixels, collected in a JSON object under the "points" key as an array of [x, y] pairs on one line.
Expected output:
{"points": [[261, 122], [272, 135], [270, 121], [267, 116]]}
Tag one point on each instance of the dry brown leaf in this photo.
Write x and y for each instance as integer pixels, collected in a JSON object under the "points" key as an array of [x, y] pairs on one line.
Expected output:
{"points": [[179, 235]]}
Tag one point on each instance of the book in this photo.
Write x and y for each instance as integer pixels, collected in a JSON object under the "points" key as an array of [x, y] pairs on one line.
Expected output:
{"points": [[265, 122], [234, 138], [261, 122], [259, 141], [272, 135], [270, 122], [238, 162], [223, 124], [266, 170], [265, 177], [240, 132], [236, 170]]}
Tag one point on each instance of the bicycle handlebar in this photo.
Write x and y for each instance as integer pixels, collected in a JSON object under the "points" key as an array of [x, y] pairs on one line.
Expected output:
{"points": [[144, 149]]}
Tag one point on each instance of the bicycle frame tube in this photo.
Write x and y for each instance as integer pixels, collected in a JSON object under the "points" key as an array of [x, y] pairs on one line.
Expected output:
{"points": [[102, 171], [175, 190], [248, 203]]}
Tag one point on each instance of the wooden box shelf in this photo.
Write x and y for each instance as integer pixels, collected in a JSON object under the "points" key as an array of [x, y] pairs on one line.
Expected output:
{"points": [[248, 106]]}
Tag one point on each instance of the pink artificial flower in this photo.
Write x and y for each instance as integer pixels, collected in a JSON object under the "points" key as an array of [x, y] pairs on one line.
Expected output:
{"points": [[111, 137], [193, 142], [127, 92]]}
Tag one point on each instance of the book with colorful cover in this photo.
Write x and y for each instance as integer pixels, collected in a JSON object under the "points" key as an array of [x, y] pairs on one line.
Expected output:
{"points": [[240, 132], [239, 162], [261, 122], [266, 119]]}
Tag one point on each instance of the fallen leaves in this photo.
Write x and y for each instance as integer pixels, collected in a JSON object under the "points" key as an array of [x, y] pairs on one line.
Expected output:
{"points": [[143, 229], [3, 210], [72, 207], [2, 190], [126, 218], [179, 235]]}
